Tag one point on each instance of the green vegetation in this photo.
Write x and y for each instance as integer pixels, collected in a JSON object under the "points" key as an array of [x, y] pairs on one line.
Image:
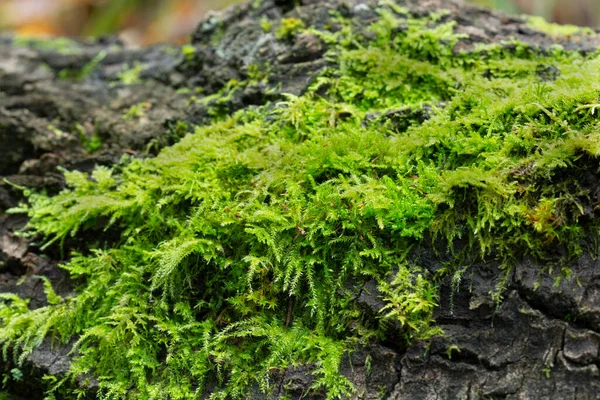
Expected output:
{"points": [[85, 71], [188, 51], [15, 374], [240, 245], [542, 25], [56, 131], [136, 111], [131, 76], [90, 143], [266, 24], [60, 45], [288, 28]]}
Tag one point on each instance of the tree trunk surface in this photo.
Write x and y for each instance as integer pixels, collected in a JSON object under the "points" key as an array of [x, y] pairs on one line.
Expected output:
{"points": [[87, 103]]}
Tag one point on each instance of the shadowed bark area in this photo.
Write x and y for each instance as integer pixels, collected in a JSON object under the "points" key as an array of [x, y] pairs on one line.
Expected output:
{"points": [[82, 104]]}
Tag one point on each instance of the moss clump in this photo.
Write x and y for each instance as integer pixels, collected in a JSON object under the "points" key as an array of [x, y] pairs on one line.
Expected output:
{"points": [[238, 244], [136, 111], [188, 51], [266, 24], [540, 24], [131, 76], [288, 28]]}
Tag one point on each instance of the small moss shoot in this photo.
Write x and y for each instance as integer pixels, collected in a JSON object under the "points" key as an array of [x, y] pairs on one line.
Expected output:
{"points": [[288, 28], [188, 52], [85, 71], [91, 143], [136, 111], [131, 76], [241, 244], [266, 24]]}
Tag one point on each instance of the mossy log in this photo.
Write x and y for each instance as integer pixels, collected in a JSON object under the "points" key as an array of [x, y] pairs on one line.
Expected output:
{"points": [[406, 191]]}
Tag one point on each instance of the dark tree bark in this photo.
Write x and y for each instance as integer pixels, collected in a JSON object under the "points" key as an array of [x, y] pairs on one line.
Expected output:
{"points": [[57, 104]]}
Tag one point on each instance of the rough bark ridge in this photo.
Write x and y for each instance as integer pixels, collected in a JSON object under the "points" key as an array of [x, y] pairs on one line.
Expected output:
{"points": [[87, 103]]}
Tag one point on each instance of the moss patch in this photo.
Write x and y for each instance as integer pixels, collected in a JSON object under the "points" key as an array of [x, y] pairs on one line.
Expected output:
{"points": [[540, 24], [288, 28], [237, 244], [60, 45]]}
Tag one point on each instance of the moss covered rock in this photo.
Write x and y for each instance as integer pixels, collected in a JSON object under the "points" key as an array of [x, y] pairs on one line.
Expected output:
{"points": [[356, 199]]}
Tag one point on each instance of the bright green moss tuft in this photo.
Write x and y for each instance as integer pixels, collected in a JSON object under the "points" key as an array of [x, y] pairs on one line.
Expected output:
{"points": [[288, 28], [240, 245], [136, 111], [540, 24], [188, 51], [131, 76]]}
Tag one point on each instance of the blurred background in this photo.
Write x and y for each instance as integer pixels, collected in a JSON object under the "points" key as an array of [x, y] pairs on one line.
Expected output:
{"points": [[150, 21]]}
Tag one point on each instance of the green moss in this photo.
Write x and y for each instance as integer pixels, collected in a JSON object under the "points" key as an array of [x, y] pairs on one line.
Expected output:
{"points": [[131, 76], [60, 45], [266, 24], [188, 51], [241, 244], [217, 35], [56, 131], [540, 24], [91, 143], [288, 28], [136, 111], [85, 71]]}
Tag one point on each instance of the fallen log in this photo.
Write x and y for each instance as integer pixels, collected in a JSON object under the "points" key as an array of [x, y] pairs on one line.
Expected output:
{"points": [[372, 200]]}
